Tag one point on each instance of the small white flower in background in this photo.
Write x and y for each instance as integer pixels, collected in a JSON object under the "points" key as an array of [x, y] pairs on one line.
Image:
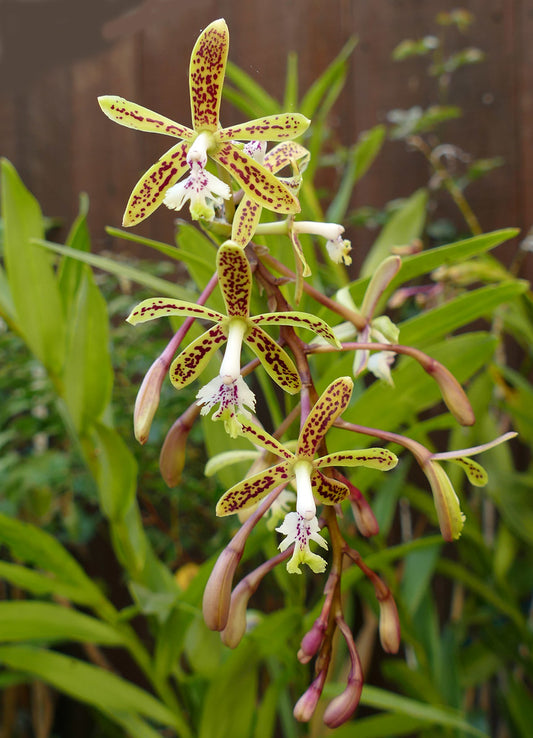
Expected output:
{"points": [[337, 247], [300, 531]]}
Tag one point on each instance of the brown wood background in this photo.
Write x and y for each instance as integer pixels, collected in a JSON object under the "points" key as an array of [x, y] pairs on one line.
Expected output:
{"points": [[57, 56]]}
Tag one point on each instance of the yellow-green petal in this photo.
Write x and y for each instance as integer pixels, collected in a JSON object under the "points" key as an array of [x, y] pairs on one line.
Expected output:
{"points": [[373, 458], [150, 190], [324, 412], [276, 362], [157, 307], [245, 221], [271, 128], [234, 279], [193, 359], [328, 491], [474, 471], [206, 75], [256, 181], [135, 116], [299, 320], [252, 490], [451, 519], [260, 437], [286, 153]]}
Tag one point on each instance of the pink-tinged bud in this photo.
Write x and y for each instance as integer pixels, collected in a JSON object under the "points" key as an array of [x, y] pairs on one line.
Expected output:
{"points": [[235, 628], [311, 641], [389, 625], [147, 400], [172, 456], [341, 708], [217, 593], [306, 705], [452, 393]]}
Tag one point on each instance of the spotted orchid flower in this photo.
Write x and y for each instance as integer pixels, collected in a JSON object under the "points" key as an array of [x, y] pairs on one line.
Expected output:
{"points": [[301, 466], [228, 389], [206, 138]]}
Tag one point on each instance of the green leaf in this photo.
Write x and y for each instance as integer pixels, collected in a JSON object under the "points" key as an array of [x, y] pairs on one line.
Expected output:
{"points": [[381, 699], [462, 310], [381, 726], [405, 225], [34, 546], [32, 282], [88, 373], [22, 620], [114, 469], [70, 270], [42, 584], [419, 568], [121, 269], [426, 261], [229, 704], [87, 683], [359, 160]]}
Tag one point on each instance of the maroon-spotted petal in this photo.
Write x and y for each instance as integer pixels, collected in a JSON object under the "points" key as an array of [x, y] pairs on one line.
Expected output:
{"points": [[193, 359], [326, 410], [373, 458], [328, 491], [260, 437], [234, 279], [206, 75], [252, 490], [150, 190], [276, 362]]}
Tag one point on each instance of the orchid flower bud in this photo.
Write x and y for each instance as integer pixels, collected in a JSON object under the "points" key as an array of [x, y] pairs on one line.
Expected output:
{"points": [[147, 400], [452, 393], [312, 640], [389, 624], [172, 456], [306, 705], [341, 708], [217, 593]]}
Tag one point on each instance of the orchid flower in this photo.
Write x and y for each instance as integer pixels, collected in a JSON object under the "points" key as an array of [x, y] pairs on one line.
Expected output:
{"points": [[300, 531], [301, 466], [205, 139], [228, 389]]}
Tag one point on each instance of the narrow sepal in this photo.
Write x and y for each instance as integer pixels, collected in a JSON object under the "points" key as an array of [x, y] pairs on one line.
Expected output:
{"points": [[193, 360], [475, 472], [150, 190], [234, 279], [245, 221], [299, 320], [252, 490], [206, 75], [301, 262], [373, 458], [260, 437], [271, 128], [276, 362], [325, 411], [257, 182], [328, 491], [451, 519], [157, 307], [283, 154], [135, 116]]}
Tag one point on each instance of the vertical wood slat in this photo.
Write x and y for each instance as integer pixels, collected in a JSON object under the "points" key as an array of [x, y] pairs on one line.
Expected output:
{"points": [[62, 144]]}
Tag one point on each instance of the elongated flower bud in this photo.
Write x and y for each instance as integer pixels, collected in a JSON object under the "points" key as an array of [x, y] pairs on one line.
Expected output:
{"points": [[452, 393], [341, 708], [172, 456], [147, 400], [311, 641], [217, 593], [306, 705], [389, 624]]}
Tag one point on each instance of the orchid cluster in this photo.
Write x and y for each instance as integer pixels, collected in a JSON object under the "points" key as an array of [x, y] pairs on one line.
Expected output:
{"points": [[228, 178]]}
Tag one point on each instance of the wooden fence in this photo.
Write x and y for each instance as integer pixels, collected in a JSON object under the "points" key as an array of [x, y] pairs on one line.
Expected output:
{"points": [[56, 60]]}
